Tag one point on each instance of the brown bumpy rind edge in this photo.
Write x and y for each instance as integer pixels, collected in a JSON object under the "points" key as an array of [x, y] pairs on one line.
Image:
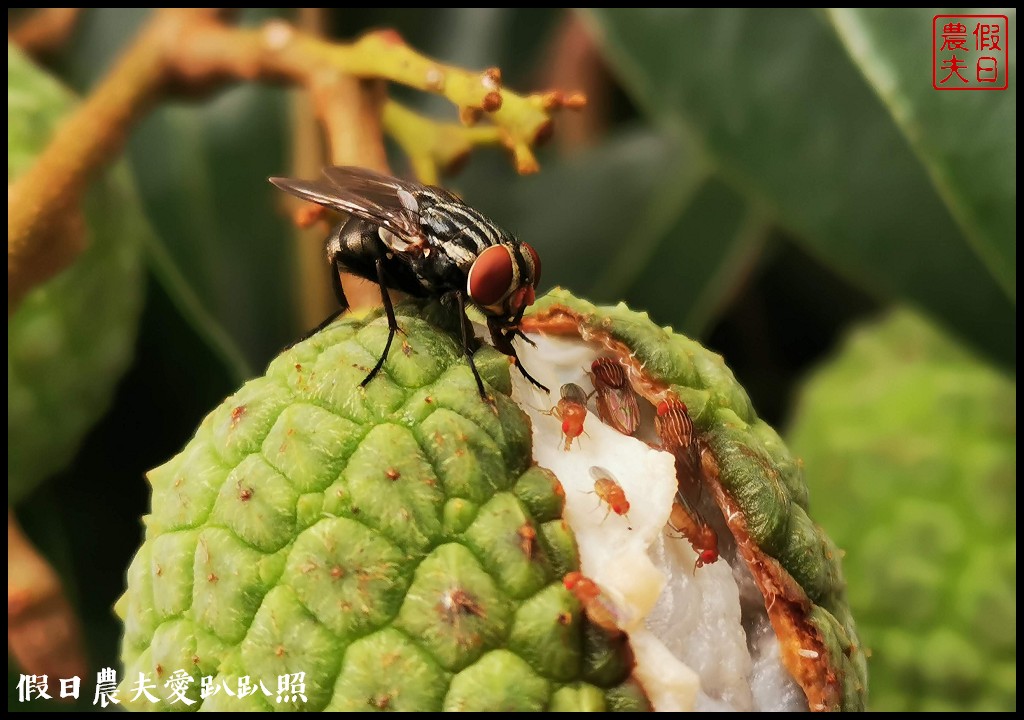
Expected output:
{"points": [[757, 484]]}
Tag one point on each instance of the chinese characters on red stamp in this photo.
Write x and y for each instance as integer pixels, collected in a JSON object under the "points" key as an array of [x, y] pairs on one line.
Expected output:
{"points": [[970, 52]]}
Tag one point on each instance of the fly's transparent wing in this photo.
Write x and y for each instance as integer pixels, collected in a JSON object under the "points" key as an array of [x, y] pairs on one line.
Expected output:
{"points": [[366, 195], [383, 188]]}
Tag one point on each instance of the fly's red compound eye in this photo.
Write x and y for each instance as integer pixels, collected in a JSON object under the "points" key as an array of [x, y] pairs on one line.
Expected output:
{"points": [[708, 556], [491, 276], [536, 263]]}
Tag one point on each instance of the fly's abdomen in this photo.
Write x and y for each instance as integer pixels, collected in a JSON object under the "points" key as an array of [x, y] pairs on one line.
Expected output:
{"points": [[355, 246]]}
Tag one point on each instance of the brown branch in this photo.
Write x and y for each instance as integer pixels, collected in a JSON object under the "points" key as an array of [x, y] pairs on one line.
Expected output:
{"points": [[43, 633], [348, 112], [44, 30], [51, 189], [314, 299], [192, 48], [573, 59]]}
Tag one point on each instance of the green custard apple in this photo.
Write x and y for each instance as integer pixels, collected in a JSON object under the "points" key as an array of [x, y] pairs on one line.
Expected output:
{"points": [[911, 451], [318, 545], [71, 339]]}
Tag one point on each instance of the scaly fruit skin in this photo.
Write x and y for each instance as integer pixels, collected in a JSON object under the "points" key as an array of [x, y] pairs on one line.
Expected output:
{"points": [[911, 444], [760, 478], [397, 545], [394, 543], [71, 339]]}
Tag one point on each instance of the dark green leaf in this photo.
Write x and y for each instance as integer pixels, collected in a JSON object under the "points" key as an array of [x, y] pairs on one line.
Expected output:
{"points": [[192, 310], [789, 121], [584, 212], [636, 218], [692, 273], [966, 140]]}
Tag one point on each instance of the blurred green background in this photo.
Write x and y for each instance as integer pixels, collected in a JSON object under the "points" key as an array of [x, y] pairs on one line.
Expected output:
{"points": [[762, 180]]}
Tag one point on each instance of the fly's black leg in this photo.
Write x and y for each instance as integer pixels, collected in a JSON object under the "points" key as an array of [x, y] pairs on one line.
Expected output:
{"points": [[467, 333], [520, 334], [516, 332], [339, 293], [526, 375], [389, 310], [502, 341]]}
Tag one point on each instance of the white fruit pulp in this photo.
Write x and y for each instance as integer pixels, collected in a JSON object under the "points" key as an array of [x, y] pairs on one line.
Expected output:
{"points": [[702, 639]]}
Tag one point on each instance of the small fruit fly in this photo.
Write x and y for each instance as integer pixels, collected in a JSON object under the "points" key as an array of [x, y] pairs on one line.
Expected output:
{"points": [[673, 425], [588, 594], [703, 538], [610, 492], [675, 428], [616, 402], [427, 243], [572, 411]]}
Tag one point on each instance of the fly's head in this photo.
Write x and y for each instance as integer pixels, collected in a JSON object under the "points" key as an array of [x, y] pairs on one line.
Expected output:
{"points": [[502, 282]]}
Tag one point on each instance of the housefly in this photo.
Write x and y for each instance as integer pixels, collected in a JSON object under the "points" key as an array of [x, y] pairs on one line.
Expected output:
{"points": [[424, 241]]}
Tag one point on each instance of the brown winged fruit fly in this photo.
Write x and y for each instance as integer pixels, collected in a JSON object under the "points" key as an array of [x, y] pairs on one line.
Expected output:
{"points": [[673, 425], [572, 411], [616, 402], [610, 492], [704, 540], [588, 594]]}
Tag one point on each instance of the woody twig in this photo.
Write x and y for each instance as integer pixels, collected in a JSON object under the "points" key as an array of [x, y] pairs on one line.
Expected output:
{"points": [[43, 633], [44, 30], [194, 48]]}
